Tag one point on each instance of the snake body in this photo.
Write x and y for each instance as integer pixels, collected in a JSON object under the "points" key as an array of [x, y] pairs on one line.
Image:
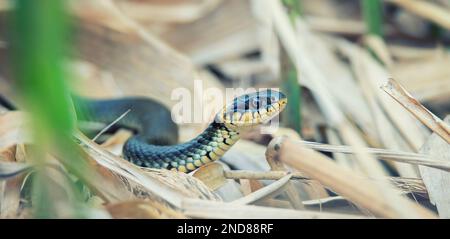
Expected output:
{"points": [[155, 143]]}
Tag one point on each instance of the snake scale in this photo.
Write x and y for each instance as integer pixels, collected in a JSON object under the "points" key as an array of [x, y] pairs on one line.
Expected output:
{"points": [[155, 143]]}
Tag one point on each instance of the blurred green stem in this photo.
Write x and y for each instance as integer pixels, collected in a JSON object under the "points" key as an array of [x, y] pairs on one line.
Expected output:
{"points": [[39, 47], [373, 16], [292, 89], [294, 8], [290, 85]]}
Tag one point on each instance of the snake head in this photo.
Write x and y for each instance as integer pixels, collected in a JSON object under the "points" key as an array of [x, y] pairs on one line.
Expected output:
{"points": [[252, 109]]}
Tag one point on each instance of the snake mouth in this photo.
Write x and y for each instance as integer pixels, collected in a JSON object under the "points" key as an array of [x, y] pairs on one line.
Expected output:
{"points": [[265, 115], [253, 109]]}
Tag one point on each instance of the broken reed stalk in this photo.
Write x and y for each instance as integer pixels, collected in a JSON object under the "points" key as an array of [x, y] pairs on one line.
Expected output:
{"points": [[291, 191], [396, 91], [384, 154], [265, 192], [272, 175], [407, 185], [373, 168], [343, 181]]}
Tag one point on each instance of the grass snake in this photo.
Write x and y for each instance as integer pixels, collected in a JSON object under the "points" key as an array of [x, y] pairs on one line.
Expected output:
{"points": [[155, 143]]}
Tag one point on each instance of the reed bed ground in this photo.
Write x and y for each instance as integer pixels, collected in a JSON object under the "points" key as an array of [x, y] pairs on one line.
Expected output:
{"points": [[366, 133]]}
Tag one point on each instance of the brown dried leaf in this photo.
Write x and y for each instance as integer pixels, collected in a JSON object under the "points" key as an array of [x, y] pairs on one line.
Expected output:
{"points": [[212, 175]]}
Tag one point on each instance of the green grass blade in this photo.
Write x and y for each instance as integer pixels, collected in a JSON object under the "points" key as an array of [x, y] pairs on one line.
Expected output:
{"points": [[39, 46], [290, 85], [372, 11]]}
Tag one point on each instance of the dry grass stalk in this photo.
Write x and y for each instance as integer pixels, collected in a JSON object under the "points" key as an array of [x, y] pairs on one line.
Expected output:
{"points": [[379, 47], [344, 160], [396, 91], [427, 10], [315, 78], [309, 71], [432, 67], [103, 183], [341, 26], [335, 204], [207, 209], [157, 11], [337, 78], [271, 175], [129, 73], [130, 172], [291, 190], [334, 25], [223, 33], [407, 53], [374, 169], [217, 180], [164, 185], [110, 125], [265, 192], [214, 176], [407, 185], [367, 71], [393, 121], [312, 188], [344, 182], [384, 154], [104, 32], [183, 183]]}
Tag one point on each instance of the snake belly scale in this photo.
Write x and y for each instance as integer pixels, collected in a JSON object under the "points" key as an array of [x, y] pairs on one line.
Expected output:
{"points": [[155, 143]]}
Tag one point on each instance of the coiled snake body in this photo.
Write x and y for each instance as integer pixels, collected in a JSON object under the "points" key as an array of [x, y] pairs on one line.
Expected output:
{"points": [[155, 146]]}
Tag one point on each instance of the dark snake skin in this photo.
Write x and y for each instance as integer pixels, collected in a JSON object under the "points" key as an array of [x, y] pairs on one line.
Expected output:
{"points": [[155, 144]]}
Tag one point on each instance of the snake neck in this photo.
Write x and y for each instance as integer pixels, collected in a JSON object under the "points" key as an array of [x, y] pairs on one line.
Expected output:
{"points": [[206, 147], [214, 142]]}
